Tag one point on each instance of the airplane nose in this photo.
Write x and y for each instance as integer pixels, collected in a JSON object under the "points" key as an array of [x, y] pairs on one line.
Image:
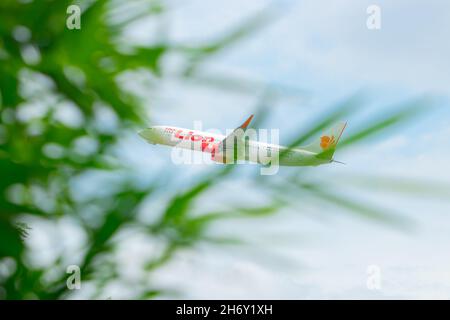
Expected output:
{"points": [[147, 134]]}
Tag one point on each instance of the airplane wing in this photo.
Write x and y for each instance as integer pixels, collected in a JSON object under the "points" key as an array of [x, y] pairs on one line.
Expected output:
{"points": [[237, 135]]}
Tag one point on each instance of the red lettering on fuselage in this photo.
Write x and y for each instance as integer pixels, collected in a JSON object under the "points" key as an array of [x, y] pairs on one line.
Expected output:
{"points": [[178, 135], [206, 141]]}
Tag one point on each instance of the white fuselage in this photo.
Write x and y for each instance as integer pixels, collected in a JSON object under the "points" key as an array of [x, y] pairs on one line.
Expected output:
{"points": [[255, 151]]}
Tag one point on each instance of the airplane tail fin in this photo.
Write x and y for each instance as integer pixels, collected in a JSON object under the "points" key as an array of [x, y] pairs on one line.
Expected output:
{"points": [[326, 144]]}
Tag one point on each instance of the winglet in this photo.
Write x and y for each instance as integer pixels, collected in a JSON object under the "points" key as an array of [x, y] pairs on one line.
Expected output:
{"points": [[246, 123], [237, 134]]}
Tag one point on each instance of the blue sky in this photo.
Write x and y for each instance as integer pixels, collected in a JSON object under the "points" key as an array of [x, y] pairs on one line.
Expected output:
{"points": [[325, 48]]}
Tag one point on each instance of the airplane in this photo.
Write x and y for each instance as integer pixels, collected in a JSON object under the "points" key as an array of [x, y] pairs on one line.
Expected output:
{"points": [[237, 145]]}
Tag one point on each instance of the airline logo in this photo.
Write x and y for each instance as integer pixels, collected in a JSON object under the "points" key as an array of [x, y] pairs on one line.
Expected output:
{"points": [[326, 142], [206, 141]]}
